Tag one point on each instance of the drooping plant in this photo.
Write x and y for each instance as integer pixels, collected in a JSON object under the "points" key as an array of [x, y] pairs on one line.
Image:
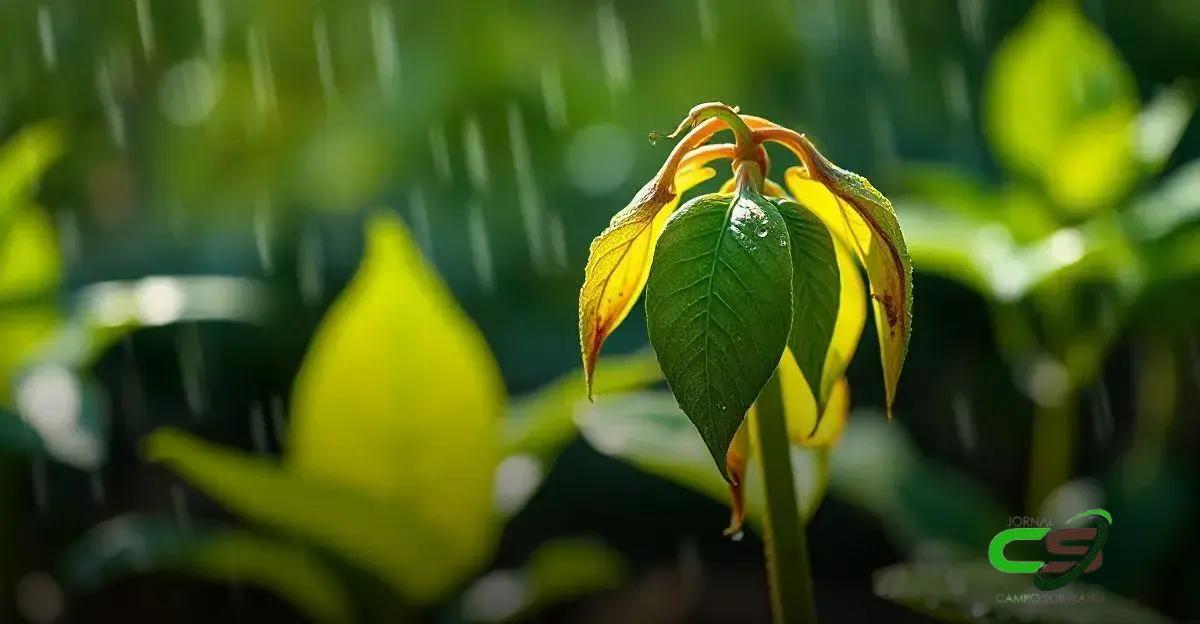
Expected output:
{"points": [[749, 300]]}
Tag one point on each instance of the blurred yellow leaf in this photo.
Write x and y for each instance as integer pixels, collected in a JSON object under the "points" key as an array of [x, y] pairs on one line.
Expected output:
{"points": [[619, 263], [395, 431], [30, 272], [23, 160], [1060, 106]]}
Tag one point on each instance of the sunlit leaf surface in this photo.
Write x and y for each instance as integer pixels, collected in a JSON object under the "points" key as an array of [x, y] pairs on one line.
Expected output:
{"points": [[718, 309], [619, 263]]}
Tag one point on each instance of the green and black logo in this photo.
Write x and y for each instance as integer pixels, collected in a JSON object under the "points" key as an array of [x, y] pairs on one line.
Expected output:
{"points": [[1085, 543]]}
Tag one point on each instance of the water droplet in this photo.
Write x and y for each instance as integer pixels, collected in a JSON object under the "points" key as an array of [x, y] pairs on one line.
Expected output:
{"points": [[761, 232]]}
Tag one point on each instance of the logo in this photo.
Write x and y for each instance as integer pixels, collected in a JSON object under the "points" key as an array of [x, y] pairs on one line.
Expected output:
{"points": [[1078, 550]]}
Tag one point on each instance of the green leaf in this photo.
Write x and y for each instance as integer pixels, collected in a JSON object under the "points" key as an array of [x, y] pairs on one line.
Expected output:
{"points": [[975, 592], [816, 293], [541, 423], [1171, 206], [1060, 106], [395, 430], [648, 430], [23, 161], [132, 544], [718, 309]]}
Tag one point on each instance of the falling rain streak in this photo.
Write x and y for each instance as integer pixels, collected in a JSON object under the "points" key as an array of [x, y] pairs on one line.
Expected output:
{"points": [[481, 251], [973, 14], [262, 78], [614, 48], [958, 96], [263, 226], [191, 368], [324, 59], [419, 218], [179, 506], [383, 45], [310, 264], [212, 24], [46, 38], [708, 24], [476, 155], [258, 428], [145, 23], [439, 151], [553, 97], [887, 36], [528, 198], [108, 102]]}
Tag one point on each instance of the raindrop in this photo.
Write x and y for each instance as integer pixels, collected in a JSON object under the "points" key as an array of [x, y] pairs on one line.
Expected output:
{"points": [[145, 27], [958, 96], [258, 428], [1046, 382], [761, 232], [553, 97], [973, 15], [558, 241], [179, 506], [96, 484], [309, 266], [279, 420], [528, 198], [46, 37], [964, 422], [262, 78], [191, 368], [708, 24], [419, 211], [212, 24], [108, 101], [383, 40], [324, 59], [1103, 423], [737, 537], [481, 253], [614, 48], [263, 226], [440, 152], [880, 124], [476, 155], [887, 36]]}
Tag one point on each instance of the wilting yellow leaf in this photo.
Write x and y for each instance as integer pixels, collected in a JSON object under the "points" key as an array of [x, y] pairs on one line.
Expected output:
{"points": [[735, 467], [864, 220], [800, 408], [619, 263]]}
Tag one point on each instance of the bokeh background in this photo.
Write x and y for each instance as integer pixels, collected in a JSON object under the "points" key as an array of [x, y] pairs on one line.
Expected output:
{"points": [[187, 188]]}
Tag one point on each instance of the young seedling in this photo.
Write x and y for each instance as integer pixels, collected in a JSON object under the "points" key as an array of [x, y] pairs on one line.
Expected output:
{"points": [[747, 303]]}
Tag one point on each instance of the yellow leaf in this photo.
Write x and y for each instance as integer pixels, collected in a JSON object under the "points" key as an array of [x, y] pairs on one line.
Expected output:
{"points": [[800, 408], [399, 396], [23, 160], [395, 431], [864, 221], [619, 262], [30, 266]]}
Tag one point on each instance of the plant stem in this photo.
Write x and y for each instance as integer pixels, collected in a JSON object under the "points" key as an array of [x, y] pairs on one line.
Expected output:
{"points": [[1051, 453], [783, 535]]}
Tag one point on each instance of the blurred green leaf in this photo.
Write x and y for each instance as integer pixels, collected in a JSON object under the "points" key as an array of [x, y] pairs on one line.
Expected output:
{"points": [[1060, 106], [877, 467], [394, 440], [976, 592], [23, 160], [558, 571], [540, 424], [1174, 204], [132, 544], [649, 431], [30, 273], [1161, 124]]}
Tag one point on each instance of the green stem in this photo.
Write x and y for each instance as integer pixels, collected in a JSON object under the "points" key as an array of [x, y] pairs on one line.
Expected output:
{"points": [[1052, 450], [783, 535]]}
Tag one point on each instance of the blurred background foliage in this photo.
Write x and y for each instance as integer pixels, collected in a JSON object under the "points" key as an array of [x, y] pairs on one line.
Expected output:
{"points": [[287, 306]]}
